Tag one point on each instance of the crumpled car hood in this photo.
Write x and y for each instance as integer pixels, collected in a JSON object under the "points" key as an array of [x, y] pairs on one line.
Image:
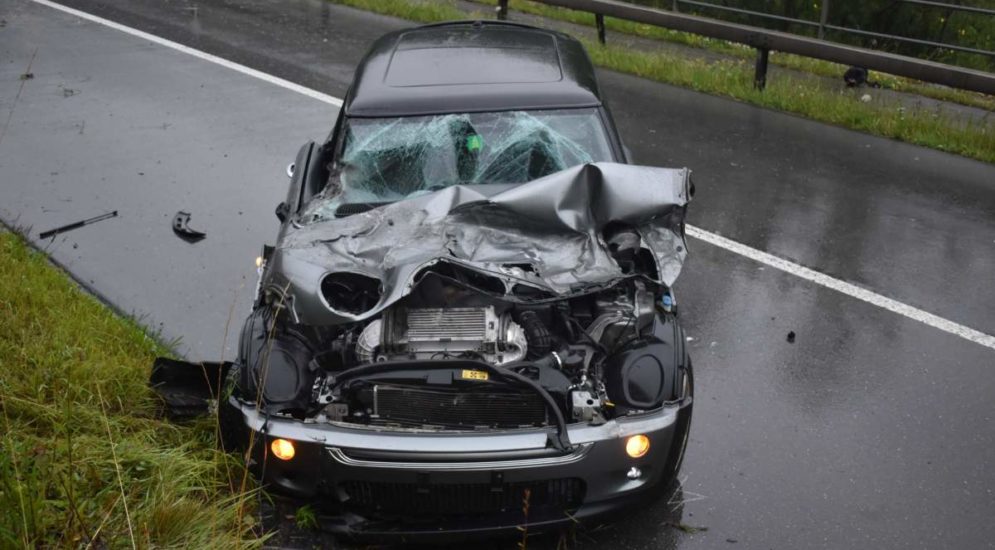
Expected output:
{"points": [[554, 223]]}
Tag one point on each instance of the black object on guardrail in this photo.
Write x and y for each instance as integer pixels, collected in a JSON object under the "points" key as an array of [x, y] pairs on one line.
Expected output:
{"points": [[766, 40]]}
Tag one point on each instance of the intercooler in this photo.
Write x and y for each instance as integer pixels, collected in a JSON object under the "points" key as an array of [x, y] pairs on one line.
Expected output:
{"points": [[442, 333], [463, 499], [454, 407]]}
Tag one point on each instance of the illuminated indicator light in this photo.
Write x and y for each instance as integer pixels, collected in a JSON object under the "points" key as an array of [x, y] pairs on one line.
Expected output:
{"points": [[283, 449], [637, 446]]}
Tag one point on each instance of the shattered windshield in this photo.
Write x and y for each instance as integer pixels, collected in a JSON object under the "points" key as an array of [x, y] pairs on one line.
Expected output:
{"points": [[389, 159]]}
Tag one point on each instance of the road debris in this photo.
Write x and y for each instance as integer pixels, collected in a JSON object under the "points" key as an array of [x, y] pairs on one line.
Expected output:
{"points": [[689, 529], [791, 337], [182, 229], [76, 225], [26, 75]]}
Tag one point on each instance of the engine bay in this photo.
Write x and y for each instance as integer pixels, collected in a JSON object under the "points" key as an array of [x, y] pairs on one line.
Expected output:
{"points": [[540, 304], [453, 356]]}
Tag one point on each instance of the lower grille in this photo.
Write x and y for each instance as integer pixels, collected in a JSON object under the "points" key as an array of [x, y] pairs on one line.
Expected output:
{"points": [[411, 500], [455, 407]]}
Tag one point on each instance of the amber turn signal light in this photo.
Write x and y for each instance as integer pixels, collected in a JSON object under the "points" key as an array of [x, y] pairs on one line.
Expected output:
{"points": [[637, 446], [282, 448]]}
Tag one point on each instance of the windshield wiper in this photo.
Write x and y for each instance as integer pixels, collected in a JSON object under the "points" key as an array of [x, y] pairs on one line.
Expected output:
{"points": [[350, 208]]}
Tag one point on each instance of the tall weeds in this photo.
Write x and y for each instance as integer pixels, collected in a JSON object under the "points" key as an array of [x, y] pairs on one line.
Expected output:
{"points": [[86, 461]]}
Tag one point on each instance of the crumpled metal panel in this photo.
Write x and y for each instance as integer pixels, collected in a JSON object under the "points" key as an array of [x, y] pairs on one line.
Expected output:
{"points": [[553, 223]]}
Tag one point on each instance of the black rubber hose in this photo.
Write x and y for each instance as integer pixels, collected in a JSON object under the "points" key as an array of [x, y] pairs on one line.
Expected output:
{"points": [[538, 337]]}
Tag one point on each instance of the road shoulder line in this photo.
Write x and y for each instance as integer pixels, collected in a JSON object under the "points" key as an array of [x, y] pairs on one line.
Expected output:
{"points": [[195, 52]]}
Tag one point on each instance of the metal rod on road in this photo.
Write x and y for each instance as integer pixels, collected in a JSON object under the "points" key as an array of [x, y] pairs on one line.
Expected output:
{"points": [[76, 225]]}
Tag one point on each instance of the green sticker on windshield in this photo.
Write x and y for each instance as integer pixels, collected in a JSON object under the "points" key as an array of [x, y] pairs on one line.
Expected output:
{"points": [[474, 143]]}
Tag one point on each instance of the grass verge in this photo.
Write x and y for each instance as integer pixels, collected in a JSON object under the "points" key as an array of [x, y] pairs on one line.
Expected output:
{"points": [[85, 460], [734, 79]]}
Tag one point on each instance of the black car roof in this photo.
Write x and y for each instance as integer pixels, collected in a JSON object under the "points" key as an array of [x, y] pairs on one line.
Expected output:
{"points": [[472, 66]]}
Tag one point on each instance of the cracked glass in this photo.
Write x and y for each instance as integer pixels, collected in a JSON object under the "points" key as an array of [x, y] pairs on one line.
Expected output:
{"points": [[388, 159]]}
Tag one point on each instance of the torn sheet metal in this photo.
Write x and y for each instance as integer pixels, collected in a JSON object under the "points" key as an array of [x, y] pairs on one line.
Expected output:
{"points": [[553, 224]]}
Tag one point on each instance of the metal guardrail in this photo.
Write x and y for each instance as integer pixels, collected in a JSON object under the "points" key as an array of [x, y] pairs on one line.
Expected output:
{"points": [[822, 25], [764, 40]]}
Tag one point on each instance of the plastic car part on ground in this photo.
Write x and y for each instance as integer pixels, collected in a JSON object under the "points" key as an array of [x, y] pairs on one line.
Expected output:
{"points": [[182, 228]]}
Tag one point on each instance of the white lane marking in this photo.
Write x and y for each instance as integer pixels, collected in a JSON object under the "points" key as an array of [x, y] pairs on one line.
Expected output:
{"points": [[196, 53], [715, 239], [844, 287]]}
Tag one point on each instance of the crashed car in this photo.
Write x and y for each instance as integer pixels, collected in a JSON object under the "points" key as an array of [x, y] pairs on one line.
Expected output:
{"points": [[467, 323]]}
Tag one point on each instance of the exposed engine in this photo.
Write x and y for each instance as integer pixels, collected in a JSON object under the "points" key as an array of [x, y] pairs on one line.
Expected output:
{"points": [[451, 356], [441, 333]]}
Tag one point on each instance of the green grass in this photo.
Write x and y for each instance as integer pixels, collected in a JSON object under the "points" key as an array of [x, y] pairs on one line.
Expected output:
{"points": [[84, 459], [734, 78], [789, 61], [423, 11]]}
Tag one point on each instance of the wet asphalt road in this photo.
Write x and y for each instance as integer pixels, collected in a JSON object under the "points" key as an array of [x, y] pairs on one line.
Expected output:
{"points": [[871, 430]]}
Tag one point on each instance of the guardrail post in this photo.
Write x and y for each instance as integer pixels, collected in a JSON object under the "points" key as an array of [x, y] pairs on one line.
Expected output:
{"points": [[502, 10], [599, 21], [760, 77], [674, 7], [823, 18]]}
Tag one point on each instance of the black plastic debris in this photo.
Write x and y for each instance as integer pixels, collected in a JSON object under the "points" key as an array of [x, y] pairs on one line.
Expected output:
{"points": [[182, 229], [76, 225], [186, 389], [791, 337]]}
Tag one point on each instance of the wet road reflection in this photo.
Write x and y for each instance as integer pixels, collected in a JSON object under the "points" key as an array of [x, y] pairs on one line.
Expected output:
{"points": [[869, 430]]}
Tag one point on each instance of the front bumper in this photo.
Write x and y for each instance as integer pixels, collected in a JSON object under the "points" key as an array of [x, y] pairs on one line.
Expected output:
{"points": [[383, 484]]}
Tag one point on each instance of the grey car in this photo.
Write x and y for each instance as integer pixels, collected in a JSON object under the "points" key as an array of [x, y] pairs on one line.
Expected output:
{"points": [[467, 324]]}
